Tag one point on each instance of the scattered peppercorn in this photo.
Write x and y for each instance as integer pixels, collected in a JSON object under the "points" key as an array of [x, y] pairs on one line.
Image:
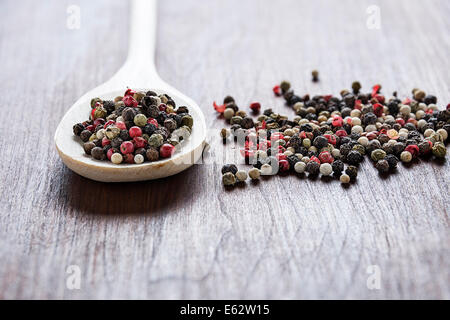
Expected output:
{"points": [[315, 75], [330, 131], [229, 179], [254, 173], [241, 175]]}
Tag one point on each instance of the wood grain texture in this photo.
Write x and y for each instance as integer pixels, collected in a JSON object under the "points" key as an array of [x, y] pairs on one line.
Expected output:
{"points": [[185, 236]]}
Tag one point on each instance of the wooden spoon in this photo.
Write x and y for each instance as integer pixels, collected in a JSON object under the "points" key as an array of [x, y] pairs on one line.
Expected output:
{"points": [[138, 73]]}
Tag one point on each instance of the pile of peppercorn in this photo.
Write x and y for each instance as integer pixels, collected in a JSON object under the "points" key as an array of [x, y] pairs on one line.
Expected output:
{"points": [[137, 127], [331, 135]]}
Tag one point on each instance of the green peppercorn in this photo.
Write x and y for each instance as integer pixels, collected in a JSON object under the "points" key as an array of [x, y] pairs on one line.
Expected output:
{"points": [[100, 112], [360, 148], [228, 179], [285, 86], [156, 140], [187, 121], [140, 120], [378, 154], [94, 101], [236, 120], [112, 132], [254, 173], [439, 150], [241, 175]]}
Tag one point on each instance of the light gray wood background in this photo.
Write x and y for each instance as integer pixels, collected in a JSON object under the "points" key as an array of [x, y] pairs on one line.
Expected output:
{"points": [[185, 236]]}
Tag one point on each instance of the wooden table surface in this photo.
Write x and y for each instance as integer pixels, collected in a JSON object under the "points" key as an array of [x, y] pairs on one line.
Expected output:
{"points": [[185, 236]]}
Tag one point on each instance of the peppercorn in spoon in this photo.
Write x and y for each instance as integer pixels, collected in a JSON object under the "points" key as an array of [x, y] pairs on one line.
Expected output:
{"points": [[139, 73]]}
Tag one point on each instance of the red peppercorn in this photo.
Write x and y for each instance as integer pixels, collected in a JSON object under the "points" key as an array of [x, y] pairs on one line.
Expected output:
{"points": [[341, 133], [375, 89], [166, 150], [129, 92], [326, 157], [314, 158], [162, 107], [153, 121], [407, 101], [379, 98], [139, 142], [135, 132], [378, 109], [108, 123], [400, 121], [105, 141], [91, 128], [358, 104], [121, 125], [128, 158], [255, 106], [372, 135], [283, 165], [277, 90], [281, 157], [110, 152], [219, 108], [99, 121], [129, 101], [337, 121], [331, 138], [127, 147], [413, 149]]}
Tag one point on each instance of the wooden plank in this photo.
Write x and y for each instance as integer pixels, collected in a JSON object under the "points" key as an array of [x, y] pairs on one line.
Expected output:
{"points": [[185, 236]]}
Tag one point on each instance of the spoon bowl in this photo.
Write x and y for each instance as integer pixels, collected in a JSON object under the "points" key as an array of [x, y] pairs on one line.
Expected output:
{"points": [[138, 73]]}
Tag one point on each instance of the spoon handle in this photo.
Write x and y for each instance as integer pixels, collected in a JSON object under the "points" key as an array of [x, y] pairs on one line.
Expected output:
{"points": [[139, 68]]}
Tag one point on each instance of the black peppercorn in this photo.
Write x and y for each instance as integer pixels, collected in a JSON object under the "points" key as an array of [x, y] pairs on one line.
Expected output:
{"points": [[382, 166], [97, 153], [354, 158], [292, 159], [229, 168], [352, 172], [88, 146], [77, 129], [320, 142], [247, 123], [430, 99], [124, 135], [109, 106], [85, 135], [149, 129], [337, 166], [392, 161], [345, 149], [312, 167], [370, 118], [116, 142], [170, 124], [152, 154]]}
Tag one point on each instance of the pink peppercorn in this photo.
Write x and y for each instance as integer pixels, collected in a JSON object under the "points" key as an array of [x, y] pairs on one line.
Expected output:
{"points": [[276, 136], [314, 158], [121, 125], [166, 150], [325, 157], [283, 165], [400, 121], [108, 123], [255, 106], [281, 157], [413, 149], [139, 142], [378, 109], [277, 91], [91, 128], [126, 147], [135, 132], [129, 92], [110, 152], [129, 101], [337, 121], [99, 121], [162, 107], [341, 133], [105, 141], [153, 121], [331, 138]]}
